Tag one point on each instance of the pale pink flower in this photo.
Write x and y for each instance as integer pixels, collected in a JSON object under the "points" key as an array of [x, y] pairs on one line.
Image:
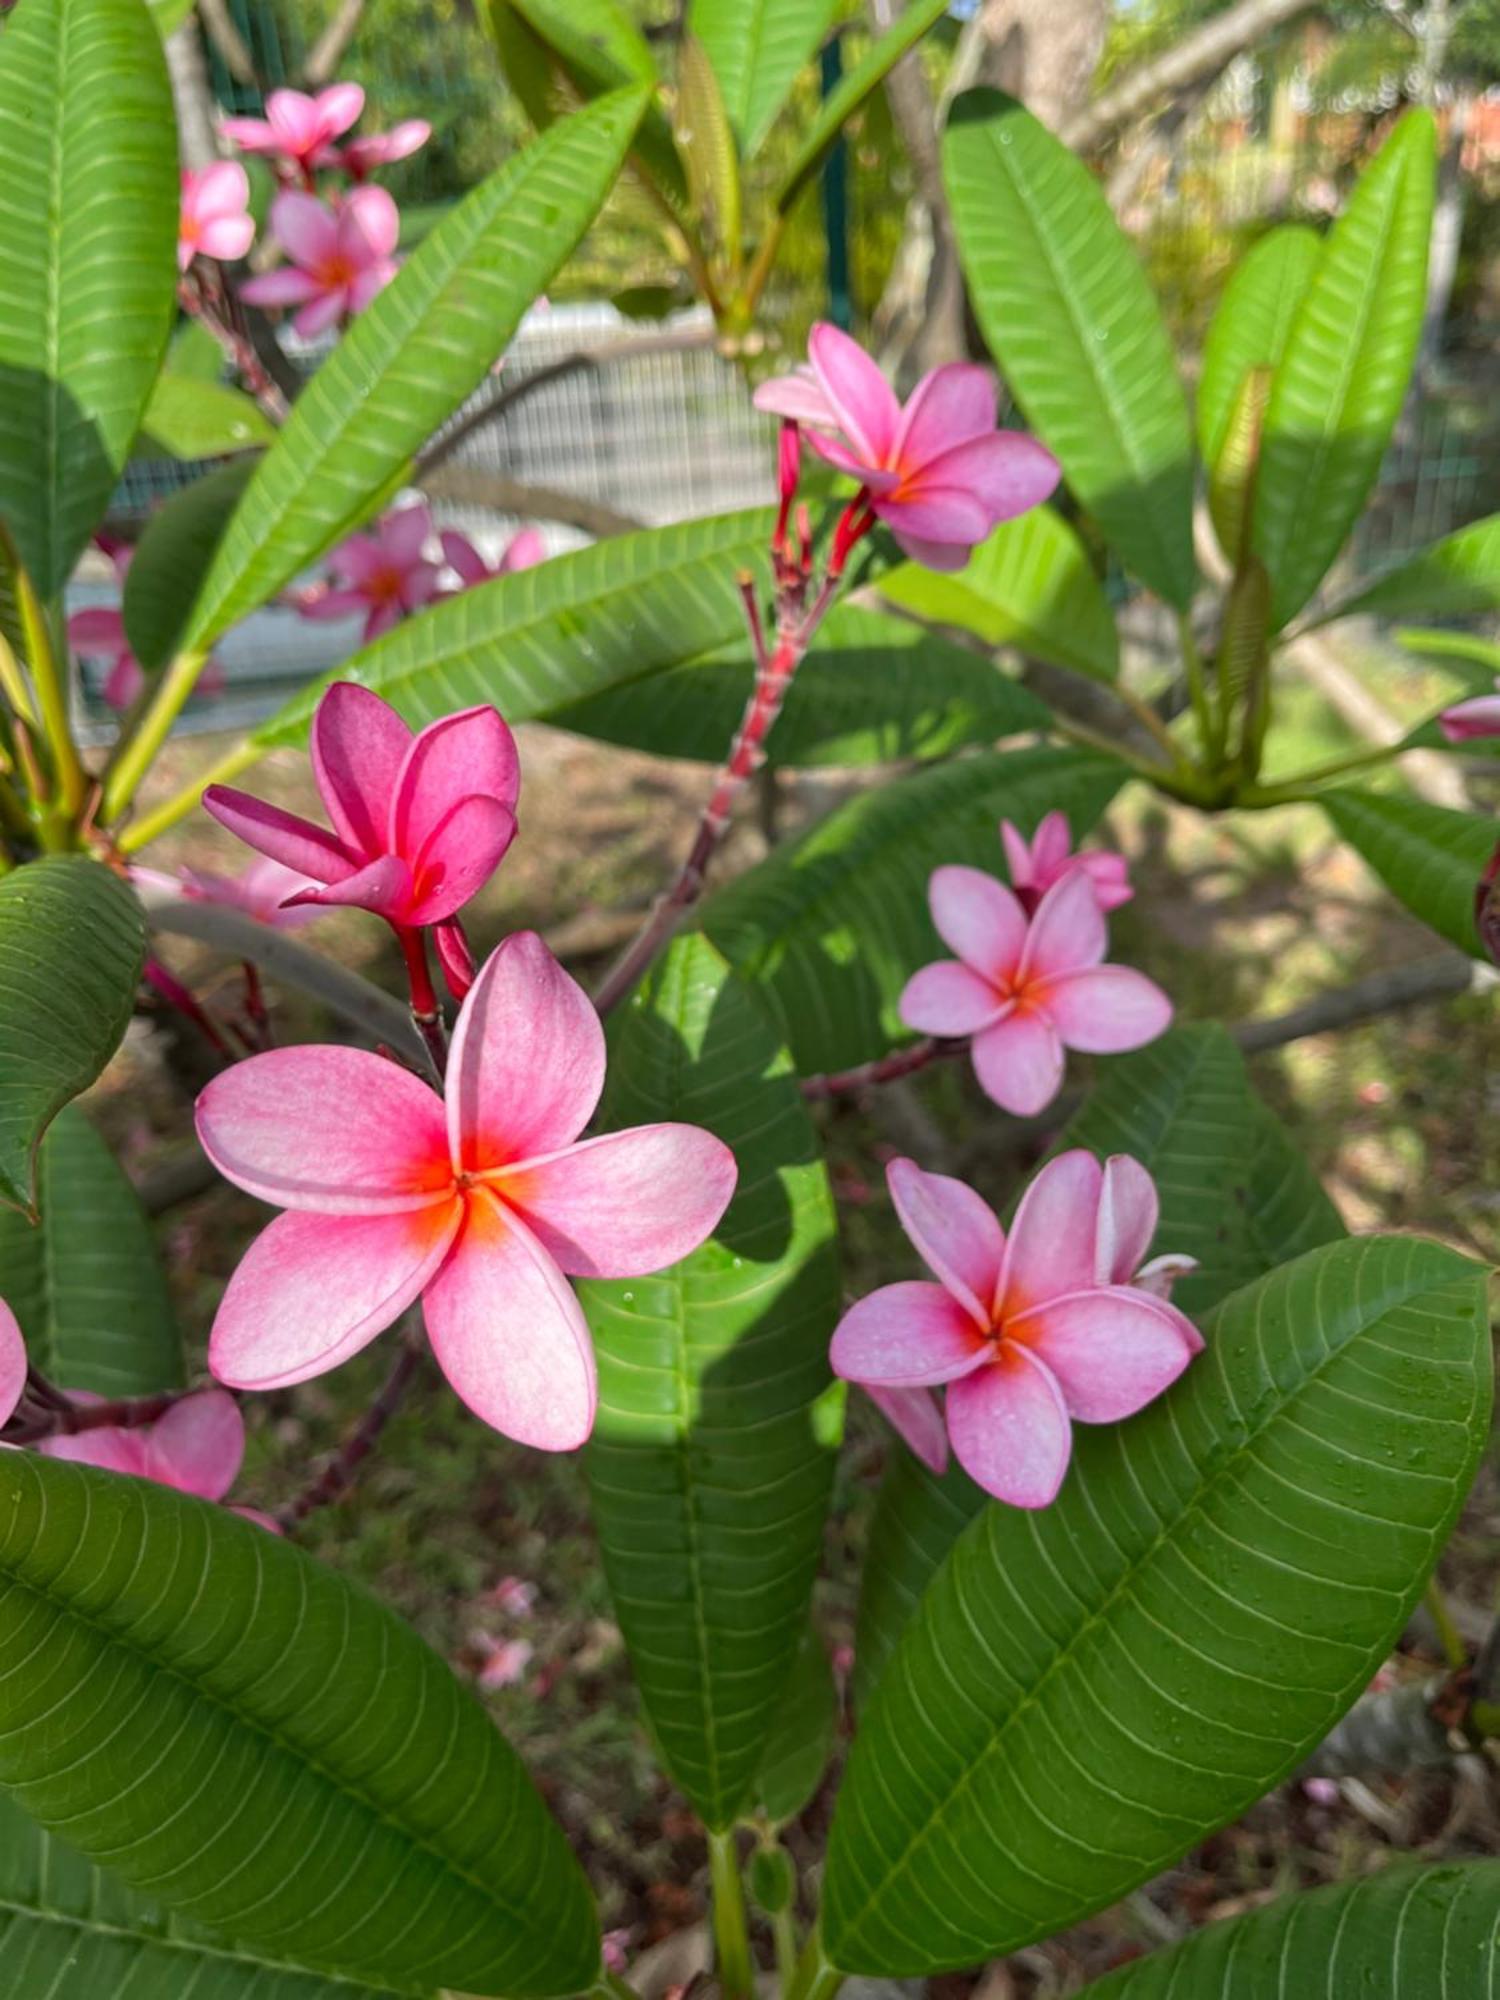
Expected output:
{"points": [[341, 257], [1472, 719], [197, 1447], [421, 822], [514, 1596], [12, 1362], [1048, 856], [296, 127], [386, 574], [614, 1948], [937, 471], [260, 891], [1026, 989], [505, 1662], [213, 221], [359, 157], [1024, 1335], [482, 1206], [524, 550]]}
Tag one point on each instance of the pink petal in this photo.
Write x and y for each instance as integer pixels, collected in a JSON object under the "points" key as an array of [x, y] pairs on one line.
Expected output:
{"points": [[369, 226], [979, 920], [227, 237], [1006, 472], [198, 1446], [859, 395], [12, 1362], [294, 119], [1112, 1350], [914, 1415], [382, 149], [1468, 720], [523, 551], [359, 744], [361, 560], [509, 1334], [949, 999], [100, 631], [1157, 1278], [383, 617], [124, 681], [854, 463], [286, 287], [221, 189], [331, 604], [383, 887], [798, 398], [1051, 1246], [339, 1131], [370, 283], [1052, 844], [251, 135], [1023, 870], [295, 842], [463, 558], [1106, 1008], [110, 1448], [405, 533], [1019, 1063], [948, 406], [907, 1336], [308, 230], [337, 108], [954, 1231], [936, 514], [941, 556], [455, 957], [527, 1062], [624, 1204], [1128, 1215], [313, 1289], [1067, 930], [1110, 877], [325, 310], [1009, 1429], [459, 859], [471, 753]]}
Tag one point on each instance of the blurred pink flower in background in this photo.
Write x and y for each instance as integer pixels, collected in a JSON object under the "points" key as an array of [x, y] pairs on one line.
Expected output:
{"points": [[358, 157], [13, 1362], [198, 1447], [524, 550], [260, 891], [1470, 720], [296, 127], [514, 1596], [340, 257], [386, 574], [938, 472], [1048, 856], [213, 221], [504, 1662], [99, 634]]}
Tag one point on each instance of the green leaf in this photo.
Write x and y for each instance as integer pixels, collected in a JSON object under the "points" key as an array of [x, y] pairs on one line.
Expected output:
{"points": [[542, 638], [1343, 377], [1030, 585], [758, 49], [1066, 310], [1087, 1691], [875, 689], [192, 419], [237, 1728], [1250, 326], [1457, 577], [705, 143], [72, 944], [1475, 665], [411, 357], [1406, 1933], [86, 1283], [70, 1931], [172, 559], [169, 14], [859, 83], [88, 243], [709, 1483], [801, 1739], [918, 1518], [1430, 858], [833, 924]]}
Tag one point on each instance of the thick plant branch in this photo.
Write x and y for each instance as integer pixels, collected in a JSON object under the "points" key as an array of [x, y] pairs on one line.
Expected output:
{"points": [[337, 1476], [230, 43], [472, 486], [330, 48]]}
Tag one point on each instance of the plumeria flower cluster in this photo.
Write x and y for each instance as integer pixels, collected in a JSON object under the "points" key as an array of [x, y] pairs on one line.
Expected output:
{"points": [[300, 134], [388, 572]]}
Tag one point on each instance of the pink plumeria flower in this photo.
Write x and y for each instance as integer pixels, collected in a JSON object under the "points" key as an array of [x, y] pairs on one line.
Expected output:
{"points": [[12, 1363], [420, 822], [359, 157], [298, 128], [198, 1447], [99, 634], [1022, 1334], [386, 574], [1470, 720], [505, 1662], [341, 258], [1048, 856], [937, 471], [481, 1207], [261, 891], [514, 1596], [213, 221], [523, 551], [1027, 989]]}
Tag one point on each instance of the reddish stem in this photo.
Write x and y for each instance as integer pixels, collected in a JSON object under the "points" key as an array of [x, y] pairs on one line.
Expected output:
{"points": [[885, 1069], [197, 301], [172, 990], [426, 1014], [125, 1413]]}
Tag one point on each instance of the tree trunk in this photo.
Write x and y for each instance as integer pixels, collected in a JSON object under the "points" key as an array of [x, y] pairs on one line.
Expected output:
{"points": [[191, 95]]}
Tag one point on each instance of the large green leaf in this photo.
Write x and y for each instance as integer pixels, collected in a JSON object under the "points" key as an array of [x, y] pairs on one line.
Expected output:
{"points": [[72, 943], [1087, 1691], [1474, 664], [704, 137], [68, 1931], [1066, 310], [86, 1282], [801, 1738], [1342, 380], [1457, 577], [708, 1475], [1428, 856], [874, 689], [832, 925], [1403, 1934], [88, 237], [1031, 585], [190, 418], [1250, 326], [235, 1728], [172, 559], [412, 356], [758, 48], [918, 1518]]}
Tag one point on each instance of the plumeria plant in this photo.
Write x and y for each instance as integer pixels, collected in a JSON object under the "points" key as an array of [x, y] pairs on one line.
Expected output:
{"points": [[1170, 1457]]}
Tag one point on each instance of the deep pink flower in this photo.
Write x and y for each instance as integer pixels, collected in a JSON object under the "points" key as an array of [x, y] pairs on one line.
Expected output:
{"points": [[12, 1362], [260, 891], [1472, 719], [197, 1447], [937, 471], [296, 127], [481, 1207], [213, 220], [99, 634], [1025, 988], [1026, 1337], [341, 257], [386, 574], [1048, 856], [524, 550], [421, 822], [376, 149]]}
